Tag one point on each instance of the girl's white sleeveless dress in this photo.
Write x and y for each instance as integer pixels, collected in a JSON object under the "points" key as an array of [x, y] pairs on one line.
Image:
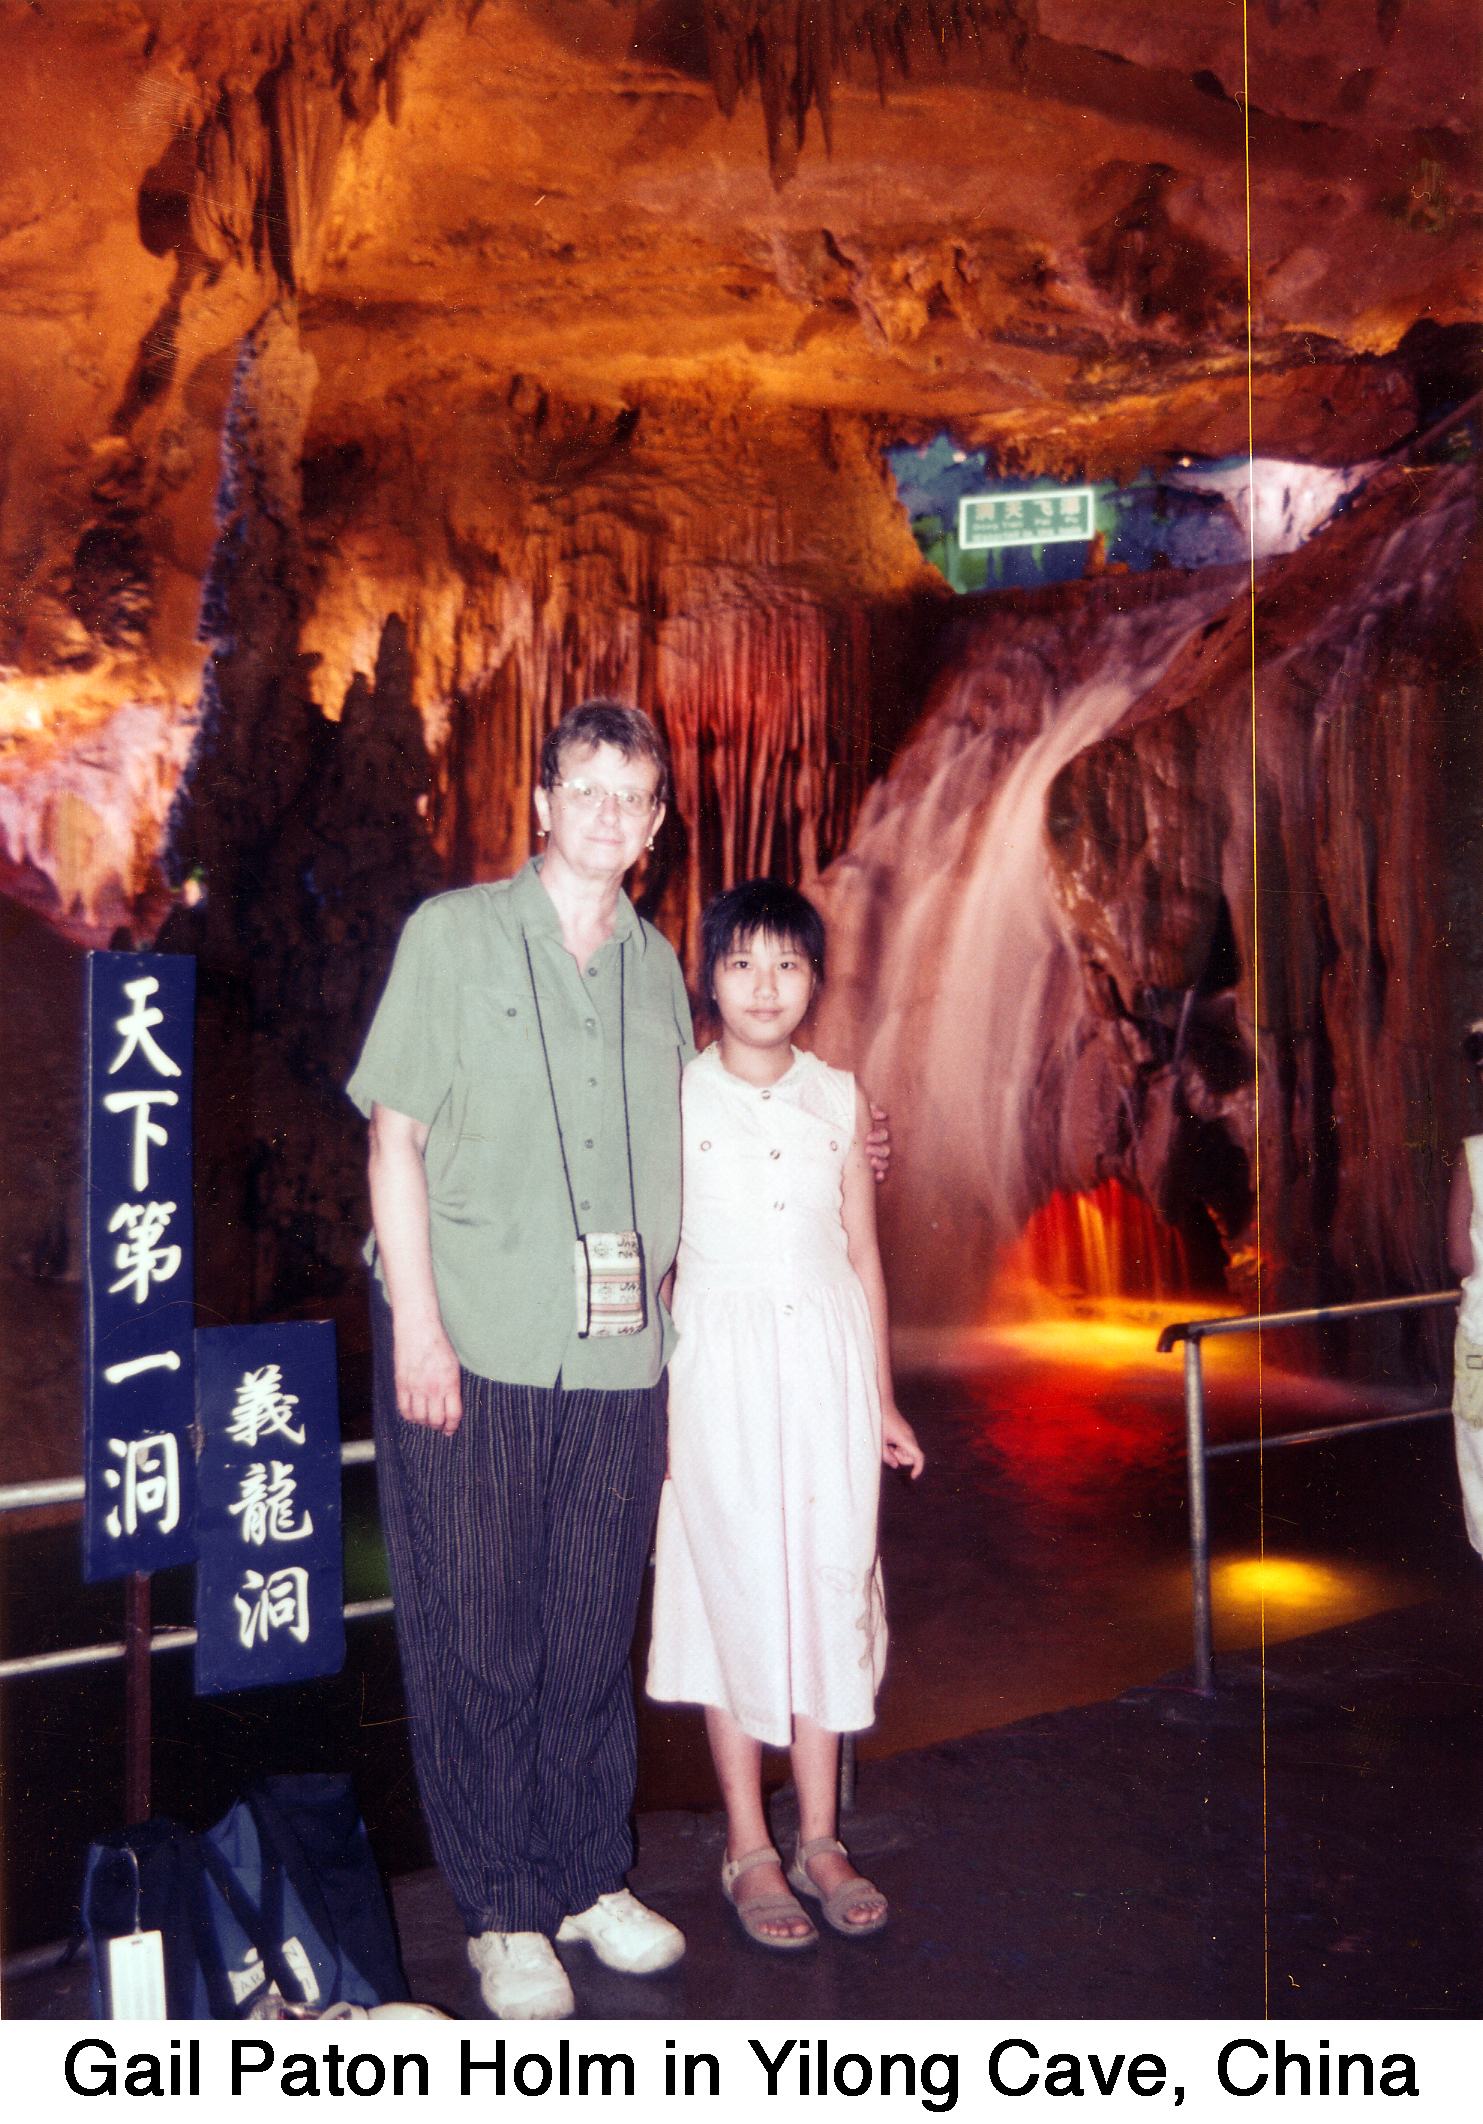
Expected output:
{"points": [[767, 1588]]}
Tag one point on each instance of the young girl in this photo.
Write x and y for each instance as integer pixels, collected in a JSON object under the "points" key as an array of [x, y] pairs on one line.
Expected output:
{"points": [[767, 1593]]}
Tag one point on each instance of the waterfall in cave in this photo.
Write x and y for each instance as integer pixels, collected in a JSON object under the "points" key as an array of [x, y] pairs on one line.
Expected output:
{"points": [[1101, 1246], [954, 990], [1045, 930]]}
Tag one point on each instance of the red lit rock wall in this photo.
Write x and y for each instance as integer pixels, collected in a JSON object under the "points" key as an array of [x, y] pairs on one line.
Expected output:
{"points": [[1086, 928]]}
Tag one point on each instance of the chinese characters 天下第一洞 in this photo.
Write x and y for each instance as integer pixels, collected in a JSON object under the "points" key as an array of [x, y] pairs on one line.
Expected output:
{"points": [[150, 1480], [139, 1464]]}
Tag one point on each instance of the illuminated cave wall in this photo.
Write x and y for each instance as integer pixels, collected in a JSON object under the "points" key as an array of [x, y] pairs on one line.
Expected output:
{"points": [[749, 584], [378, 381], [1092, 926]]}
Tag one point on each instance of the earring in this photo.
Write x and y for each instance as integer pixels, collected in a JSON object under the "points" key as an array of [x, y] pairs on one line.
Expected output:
{"points": [[649, 844]]}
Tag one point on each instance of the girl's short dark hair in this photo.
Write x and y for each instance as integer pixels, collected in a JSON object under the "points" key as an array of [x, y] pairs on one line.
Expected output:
{"points": [[762, 905]]}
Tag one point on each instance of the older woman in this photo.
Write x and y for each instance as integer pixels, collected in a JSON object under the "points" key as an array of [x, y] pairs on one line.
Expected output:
{"points": [[522, 1082]]}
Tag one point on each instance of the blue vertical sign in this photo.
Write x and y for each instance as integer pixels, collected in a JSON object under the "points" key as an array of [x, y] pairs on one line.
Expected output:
{"points": [[139, 1464], [269, 1577]]}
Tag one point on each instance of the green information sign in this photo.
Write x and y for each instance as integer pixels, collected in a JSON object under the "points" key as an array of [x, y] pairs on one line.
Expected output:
{"points": [[1054, 518]]}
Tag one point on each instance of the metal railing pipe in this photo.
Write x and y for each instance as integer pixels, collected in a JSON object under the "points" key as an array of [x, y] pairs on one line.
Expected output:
{"points": [[1311, 1316], [1199, 1517], [69, 1489], [172, 1638], [25, 1496], [1329, 1430], [1192, 1333]]}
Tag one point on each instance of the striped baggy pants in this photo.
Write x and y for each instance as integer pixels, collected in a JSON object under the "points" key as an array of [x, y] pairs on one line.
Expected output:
{"points": [[517, 1549]]}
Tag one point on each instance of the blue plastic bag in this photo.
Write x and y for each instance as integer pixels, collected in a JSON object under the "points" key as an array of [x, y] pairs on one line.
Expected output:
{"points": [[282, 1896]]}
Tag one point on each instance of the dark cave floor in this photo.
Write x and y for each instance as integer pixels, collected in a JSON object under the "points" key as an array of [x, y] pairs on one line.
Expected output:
{"points": [[1103, 1861]]}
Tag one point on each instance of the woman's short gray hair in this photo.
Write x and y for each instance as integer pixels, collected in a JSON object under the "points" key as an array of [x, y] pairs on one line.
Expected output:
{"points": [[603, 722]]}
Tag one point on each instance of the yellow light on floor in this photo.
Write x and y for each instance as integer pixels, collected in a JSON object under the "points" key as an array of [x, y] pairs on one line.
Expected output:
{"points": [[1281, 1581], [1103, 1334], [1287, 1596]]}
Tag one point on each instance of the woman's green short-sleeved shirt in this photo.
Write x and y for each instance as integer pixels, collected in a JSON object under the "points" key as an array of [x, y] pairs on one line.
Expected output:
{"points": [[456, 1045]]}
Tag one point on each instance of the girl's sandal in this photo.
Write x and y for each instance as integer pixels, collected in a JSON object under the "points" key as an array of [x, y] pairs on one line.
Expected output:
{"points": [[753, 1915], [849, 1895]]}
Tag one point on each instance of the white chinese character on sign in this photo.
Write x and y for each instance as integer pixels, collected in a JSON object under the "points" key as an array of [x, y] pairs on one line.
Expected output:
{"points": [[278, 1602], [262, 1406], [1009, 512], [267, 1506], [157, 1361], [150, 1481], [140, 1256], [145, 1130], [136, 1032], [1068, 509]]}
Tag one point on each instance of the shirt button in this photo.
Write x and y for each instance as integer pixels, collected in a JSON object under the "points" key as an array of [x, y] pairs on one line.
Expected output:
{"points": [[767, 1095], [509, 1014], [591, 970], [586, 1143], [834, 1146], [774, 1154], [592, 1025], [777, 1205], [592, 1085], [705, 1146], [584, 1205]]}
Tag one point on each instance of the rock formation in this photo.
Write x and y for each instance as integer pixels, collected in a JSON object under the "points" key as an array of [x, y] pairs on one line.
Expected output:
{"points": [[378, 380], [1121, 911]]}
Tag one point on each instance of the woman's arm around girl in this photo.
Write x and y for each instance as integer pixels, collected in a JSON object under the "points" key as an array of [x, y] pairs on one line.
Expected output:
{"points": [[899, 1448]]}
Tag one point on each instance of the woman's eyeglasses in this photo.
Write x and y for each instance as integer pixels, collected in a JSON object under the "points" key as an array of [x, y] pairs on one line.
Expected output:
{"points": [[638, 803]]}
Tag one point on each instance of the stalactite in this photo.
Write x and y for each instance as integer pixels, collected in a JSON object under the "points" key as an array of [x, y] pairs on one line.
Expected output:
{"points": [[713, 599], [791, 51], [764, 696]]}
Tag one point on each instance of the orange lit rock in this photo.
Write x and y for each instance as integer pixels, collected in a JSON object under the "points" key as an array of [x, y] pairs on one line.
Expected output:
{"points": [[1034, 242], [1047, 929], [562, 380]]}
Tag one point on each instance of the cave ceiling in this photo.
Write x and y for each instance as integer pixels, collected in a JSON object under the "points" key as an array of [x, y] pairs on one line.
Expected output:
{"points": [[718, 222]]}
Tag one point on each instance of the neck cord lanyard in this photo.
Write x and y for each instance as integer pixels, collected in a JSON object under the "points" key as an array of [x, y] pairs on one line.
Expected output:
{"points": [[551, 1086]]}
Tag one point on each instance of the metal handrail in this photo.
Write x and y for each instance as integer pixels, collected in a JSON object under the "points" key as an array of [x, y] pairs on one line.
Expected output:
{"points": [[1328, 1431], [1192, 1333], [1313, 1315], [69, 1489]]}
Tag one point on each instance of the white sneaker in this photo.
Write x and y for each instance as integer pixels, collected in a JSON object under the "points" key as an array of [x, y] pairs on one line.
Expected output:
{"points": [[520, 1978], [625, 1934]]}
